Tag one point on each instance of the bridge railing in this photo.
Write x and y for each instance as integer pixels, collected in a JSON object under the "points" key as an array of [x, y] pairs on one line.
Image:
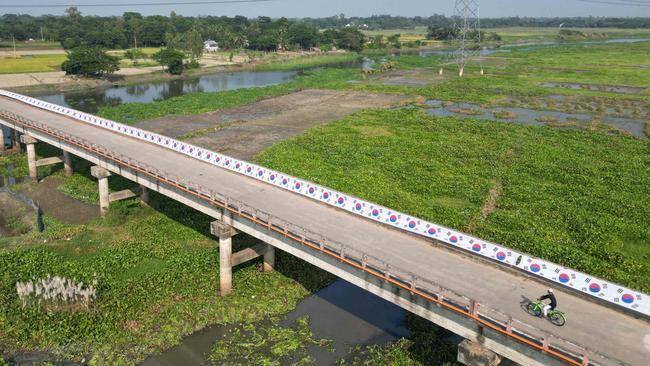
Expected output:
{"points": [[560, 348], [614, 295]]}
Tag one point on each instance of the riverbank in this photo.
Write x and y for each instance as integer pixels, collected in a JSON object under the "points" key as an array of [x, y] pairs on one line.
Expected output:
{"points": [[40, 83]]}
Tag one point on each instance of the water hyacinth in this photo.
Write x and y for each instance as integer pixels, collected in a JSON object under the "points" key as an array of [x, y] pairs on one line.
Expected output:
{"points": [[56, 291]]}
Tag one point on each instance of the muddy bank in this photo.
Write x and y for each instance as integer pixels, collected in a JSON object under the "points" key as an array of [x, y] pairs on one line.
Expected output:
{"points": [[56, 204], [244, 131], [16, 216]]}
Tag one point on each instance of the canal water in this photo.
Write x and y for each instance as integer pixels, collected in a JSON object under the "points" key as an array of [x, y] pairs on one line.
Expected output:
{"points": [[91, 100], [635, 127], [524, 47], [342, 312]]}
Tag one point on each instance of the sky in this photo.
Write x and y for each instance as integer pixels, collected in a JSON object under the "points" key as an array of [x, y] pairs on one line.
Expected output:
{"points": [[323, 8]]}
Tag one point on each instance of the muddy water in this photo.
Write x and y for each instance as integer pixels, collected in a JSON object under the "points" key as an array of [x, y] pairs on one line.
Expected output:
{"points": [[342, 312], [6, 141], [595, 87], [91, 101], [534, 117]]}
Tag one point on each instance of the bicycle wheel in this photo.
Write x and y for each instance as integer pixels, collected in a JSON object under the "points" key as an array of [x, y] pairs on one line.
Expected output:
{"points": [[558, 319], [534, 309]]}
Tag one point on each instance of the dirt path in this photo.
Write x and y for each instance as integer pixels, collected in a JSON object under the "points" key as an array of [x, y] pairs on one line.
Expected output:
{"points": [[243, 132]]}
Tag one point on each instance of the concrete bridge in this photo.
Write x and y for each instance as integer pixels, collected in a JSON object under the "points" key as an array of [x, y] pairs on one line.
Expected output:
{"points": [[475, 298]]}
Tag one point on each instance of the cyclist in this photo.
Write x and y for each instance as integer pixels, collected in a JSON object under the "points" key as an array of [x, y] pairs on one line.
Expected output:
{"points": [[549, 296]]}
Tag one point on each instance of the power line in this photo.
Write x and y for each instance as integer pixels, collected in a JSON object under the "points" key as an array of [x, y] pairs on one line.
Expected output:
{"points": [[133, 4], [618, 2]]}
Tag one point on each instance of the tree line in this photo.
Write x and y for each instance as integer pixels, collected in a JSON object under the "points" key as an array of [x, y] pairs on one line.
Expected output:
{"points": [[132, 30], [380, 22]]}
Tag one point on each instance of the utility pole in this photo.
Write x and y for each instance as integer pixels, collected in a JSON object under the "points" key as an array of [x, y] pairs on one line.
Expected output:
{"points": [[14, 42], [466, 34], [42, 38]]}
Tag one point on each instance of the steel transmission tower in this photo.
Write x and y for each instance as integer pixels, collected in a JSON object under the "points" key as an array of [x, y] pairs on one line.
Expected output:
{"points": [[466, 34]]}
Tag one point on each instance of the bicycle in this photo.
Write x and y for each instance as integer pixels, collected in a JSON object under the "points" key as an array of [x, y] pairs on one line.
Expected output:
{"points": [[556, 317]]}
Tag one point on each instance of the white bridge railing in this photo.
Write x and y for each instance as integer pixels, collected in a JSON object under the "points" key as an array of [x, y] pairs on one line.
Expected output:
{"points": [[562, 276]]}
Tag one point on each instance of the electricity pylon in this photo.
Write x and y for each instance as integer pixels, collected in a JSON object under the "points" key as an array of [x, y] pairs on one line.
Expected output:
{"points": [[466, 34]]}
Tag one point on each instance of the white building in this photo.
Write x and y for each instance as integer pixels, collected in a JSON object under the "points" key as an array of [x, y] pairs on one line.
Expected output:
{"points": [[210, 46]]}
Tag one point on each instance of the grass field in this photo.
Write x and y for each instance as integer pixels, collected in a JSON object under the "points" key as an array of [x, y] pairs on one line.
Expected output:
{"points": [[157, 271], [34, 63], [578, 198], [30, 45], [516, 34]]}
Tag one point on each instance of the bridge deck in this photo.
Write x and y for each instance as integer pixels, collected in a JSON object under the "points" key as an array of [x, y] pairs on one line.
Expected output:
{"points": [[595, 326]]}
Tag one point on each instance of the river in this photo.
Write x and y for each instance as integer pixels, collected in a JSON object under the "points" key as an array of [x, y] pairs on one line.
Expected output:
{"points": [[91, 100]]}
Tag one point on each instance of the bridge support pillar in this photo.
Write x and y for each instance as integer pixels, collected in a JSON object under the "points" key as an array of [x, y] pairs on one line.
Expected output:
{"points": [[225, 233], [30, 143], [473, 354], [227, 260], [269, 258], [104, 194], [16, 141], [67, 163], [2, 139], [144, 194]]}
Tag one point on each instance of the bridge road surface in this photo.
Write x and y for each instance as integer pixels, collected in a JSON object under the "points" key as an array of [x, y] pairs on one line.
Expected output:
{"points": [[595, 326]]}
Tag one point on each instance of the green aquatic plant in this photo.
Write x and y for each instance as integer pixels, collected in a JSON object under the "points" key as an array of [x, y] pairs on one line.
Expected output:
{"points": [[264, 344]]}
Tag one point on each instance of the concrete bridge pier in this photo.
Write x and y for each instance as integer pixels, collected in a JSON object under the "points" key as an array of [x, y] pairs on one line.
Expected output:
{"points": [[225, 233], [104, 194], [227, 260], [474, 354], [67, 163], [30, 144], [2, 139]]}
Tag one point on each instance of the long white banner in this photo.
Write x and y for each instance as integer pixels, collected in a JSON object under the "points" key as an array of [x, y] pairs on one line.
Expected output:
{"points": [[562, 276]]}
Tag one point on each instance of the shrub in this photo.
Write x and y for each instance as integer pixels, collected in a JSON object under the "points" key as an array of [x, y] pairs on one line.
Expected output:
{"points": [[171, 58], [88, 61]]}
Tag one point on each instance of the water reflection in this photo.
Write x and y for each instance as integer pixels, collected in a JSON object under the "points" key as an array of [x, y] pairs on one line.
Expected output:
{"points": [[91, 101]]}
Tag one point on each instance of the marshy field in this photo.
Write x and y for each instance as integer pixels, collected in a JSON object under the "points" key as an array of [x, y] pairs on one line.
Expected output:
{"points": [[548, 152]]}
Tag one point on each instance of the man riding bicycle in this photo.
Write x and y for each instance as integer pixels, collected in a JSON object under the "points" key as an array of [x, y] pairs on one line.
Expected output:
{"points": [[551, 306]]}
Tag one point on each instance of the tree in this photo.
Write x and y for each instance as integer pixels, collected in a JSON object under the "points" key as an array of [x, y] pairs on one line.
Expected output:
{"points": [[394, 41], [351, 39], [89, 61], [194, 44], [190, 42], [134, 26], [171, 58], [302, 35], [441, 33]]}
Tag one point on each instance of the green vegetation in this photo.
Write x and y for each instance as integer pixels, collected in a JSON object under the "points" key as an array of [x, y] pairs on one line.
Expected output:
{"points": [[88, 61], [308, 62], [157, 273], [566, 196], [261, 344], [171, 58], [425, 346], [35, 63]]}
